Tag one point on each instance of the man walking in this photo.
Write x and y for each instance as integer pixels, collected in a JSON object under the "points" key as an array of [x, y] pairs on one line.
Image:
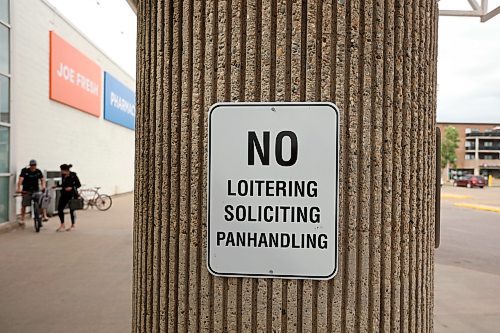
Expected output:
{"points": [[28, 184]]}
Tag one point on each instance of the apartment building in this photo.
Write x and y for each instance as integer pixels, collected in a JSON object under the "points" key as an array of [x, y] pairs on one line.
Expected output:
{"points": [[479, 148]]}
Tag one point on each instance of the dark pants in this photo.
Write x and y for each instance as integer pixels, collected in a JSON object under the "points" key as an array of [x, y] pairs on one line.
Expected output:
{"points": [[63, 201]]}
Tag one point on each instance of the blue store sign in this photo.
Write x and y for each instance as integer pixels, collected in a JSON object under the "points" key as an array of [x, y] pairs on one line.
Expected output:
{"points": [[119, 102]]}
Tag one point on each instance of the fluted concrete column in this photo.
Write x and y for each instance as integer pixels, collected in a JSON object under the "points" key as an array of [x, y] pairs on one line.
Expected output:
{"points": [[376, 59]]}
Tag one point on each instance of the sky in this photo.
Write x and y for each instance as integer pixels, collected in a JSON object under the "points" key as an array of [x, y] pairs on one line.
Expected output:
{"points": [[468, 58], [109, 24], [468, 67]]}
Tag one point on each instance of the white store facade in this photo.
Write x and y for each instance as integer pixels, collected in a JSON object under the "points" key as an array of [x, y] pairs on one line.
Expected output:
{"points": [[62, 100]]}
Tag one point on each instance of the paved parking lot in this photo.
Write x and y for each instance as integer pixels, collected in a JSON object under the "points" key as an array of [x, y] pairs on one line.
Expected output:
{"points": [[484, 196]]}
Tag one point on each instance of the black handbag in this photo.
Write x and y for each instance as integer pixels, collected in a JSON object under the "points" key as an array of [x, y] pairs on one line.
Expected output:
{"points": [[76, 204]]}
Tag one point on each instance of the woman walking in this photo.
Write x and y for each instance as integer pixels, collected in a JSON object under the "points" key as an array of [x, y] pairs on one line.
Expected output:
{"points": [[70, 185]]}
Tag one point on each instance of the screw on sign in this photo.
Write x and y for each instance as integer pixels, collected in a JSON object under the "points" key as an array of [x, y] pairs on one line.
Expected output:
{"points": [[273, 190]]}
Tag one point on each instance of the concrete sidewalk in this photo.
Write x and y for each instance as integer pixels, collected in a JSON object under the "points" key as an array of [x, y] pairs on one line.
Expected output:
{"points": [[466, 301], [77, 281]]}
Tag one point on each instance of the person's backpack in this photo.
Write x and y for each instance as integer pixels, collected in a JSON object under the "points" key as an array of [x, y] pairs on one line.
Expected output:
{"points": [[45, 200]]}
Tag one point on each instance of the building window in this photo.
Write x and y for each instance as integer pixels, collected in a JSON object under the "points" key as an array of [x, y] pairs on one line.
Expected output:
{"points": [[4, 199], [469, 156], [4, 98], [4, 149], [488, 144], [470, 144], [4, 49], [4, 11]]}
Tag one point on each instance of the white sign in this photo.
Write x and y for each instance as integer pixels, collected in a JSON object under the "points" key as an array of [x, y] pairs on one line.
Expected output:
{"points": [[273, 190]]}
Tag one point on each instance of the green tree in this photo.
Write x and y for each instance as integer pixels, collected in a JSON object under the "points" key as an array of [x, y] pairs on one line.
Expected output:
{"points": [[449, 146]]}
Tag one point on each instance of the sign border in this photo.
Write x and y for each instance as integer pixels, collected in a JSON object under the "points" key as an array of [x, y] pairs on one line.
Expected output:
{"points": [[274, 104]]}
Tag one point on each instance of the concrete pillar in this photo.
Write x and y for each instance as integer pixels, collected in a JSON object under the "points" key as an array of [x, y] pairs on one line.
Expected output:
{"points": [[377, 61]]}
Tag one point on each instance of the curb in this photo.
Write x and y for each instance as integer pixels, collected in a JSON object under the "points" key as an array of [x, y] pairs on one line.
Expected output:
{"points": [[479, 207], [454, 196]]}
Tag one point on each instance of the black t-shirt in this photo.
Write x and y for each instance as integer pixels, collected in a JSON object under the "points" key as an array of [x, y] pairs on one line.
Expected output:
{"points": [[30, 182]]}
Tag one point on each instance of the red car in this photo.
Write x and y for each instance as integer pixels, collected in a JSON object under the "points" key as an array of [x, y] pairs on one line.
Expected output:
{"points": [[470, 181]]}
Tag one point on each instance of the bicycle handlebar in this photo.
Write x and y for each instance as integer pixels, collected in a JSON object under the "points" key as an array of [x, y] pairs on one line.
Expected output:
{"points": [[20, 194]]}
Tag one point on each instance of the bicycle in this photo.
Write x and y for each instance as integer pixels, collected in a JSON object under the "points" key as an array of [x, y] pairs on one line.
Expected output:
{"points": [[92, 197], [35, 208]]}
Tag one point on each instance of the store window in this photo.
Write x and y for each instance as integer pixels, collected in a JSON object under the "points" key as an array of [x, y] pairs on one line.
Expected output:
{"points": [[4, 168], [4, 199], [5, 196], [4, 99], [4, 149], [4, 11], [4, 49]]}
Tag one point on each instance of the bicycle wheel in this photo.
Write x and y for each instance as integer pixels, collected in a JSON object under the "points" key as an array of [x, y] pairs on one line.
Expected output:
{"points": [[103, 202], [37, 219], [37, 223]]}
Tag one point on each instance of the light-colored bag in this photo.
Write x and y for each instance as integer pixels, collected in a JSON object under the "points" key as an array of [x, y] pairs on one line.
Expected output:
{"points": [[45, 200]]}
